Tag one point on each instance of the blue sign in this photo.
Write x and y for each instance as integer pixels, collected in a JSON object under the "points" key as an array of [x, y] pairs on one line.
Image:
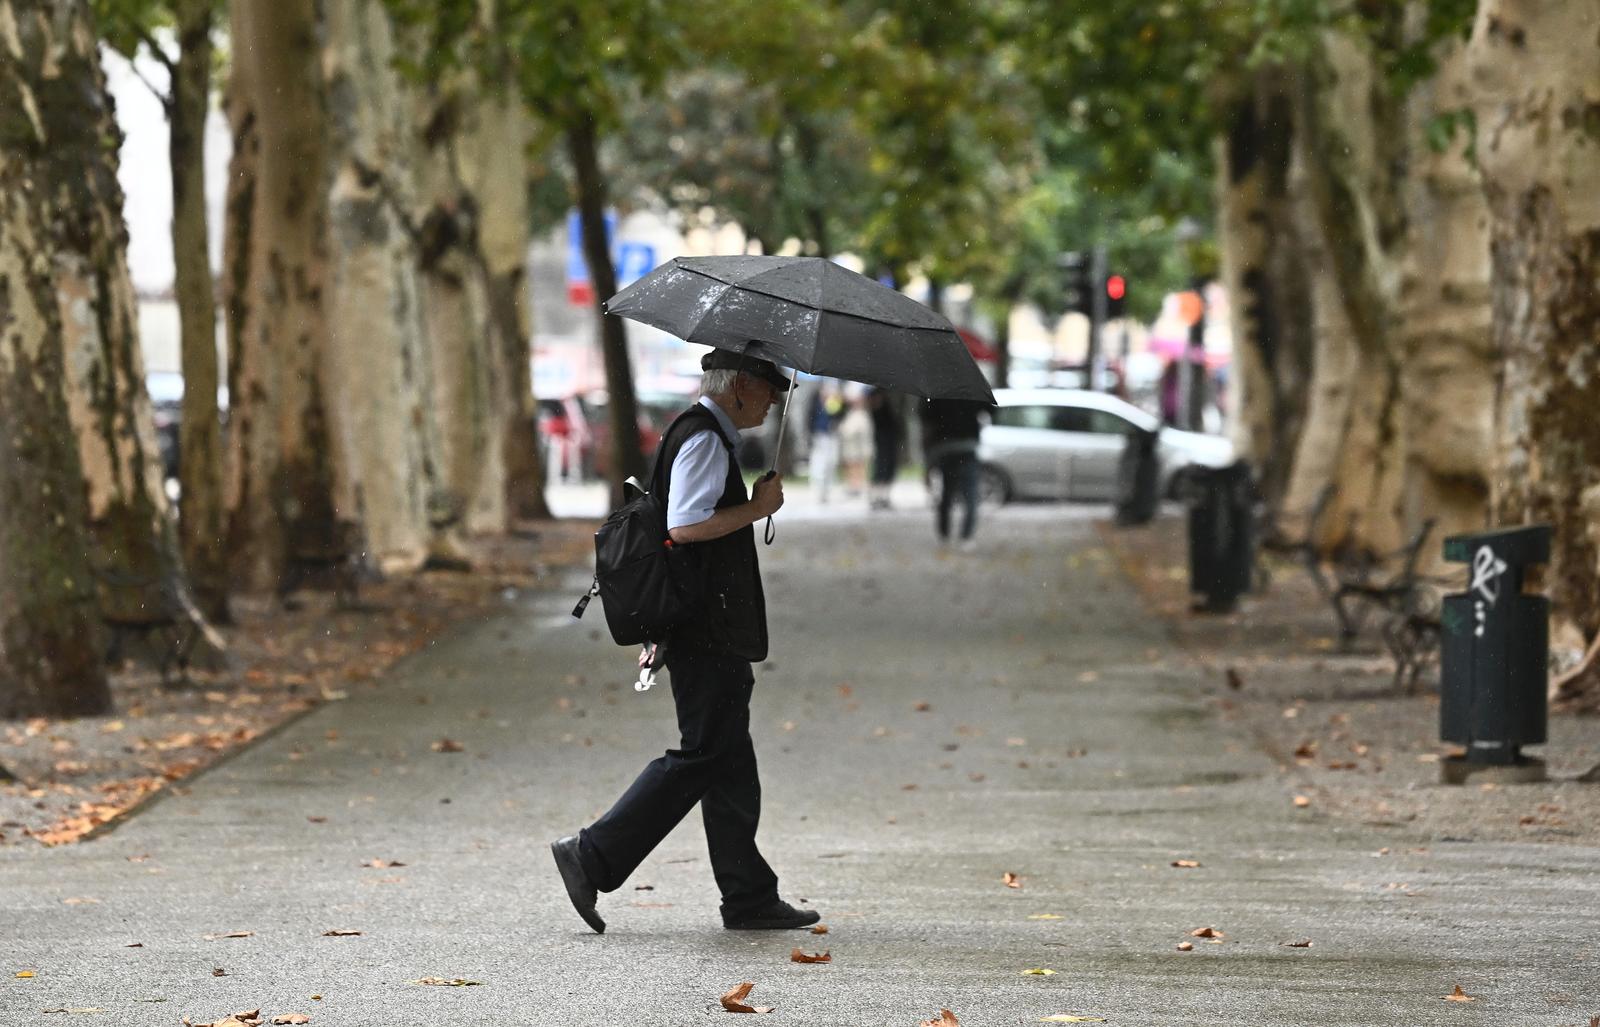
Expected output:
{"points": [[634, 261], [577, 266]]}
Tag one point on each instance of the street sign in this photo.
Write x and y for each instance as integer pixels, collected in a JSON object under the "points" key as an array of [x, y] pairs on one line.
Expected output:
{"points": [[632, 260]]}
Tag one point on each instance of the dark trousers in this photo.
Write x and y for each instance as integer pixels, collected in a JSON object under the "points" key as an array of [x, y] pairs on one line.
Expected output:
{"points": [[959, 473], [715, 765]]}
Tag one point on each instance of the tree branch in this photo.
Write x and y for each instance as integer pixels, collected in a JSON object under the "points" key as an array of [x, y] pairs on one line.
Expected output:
{"points": [[163, 96], [154, 46]]}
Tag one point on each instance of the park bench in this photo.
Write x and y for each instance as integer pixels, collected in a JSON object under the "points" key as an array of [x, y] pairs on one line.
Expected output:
{"points": [[334, 560], [1407, 601], [151, 609]]}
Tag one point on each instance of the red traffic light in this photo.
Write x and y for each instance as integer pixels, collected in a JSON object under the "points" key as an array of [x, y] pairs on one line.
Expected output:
{"points": [[1116, 287]]}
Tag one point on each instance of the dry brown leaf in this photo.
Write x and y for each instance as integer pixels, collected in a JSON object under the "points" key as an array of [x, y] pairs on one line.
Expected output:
{"points": [[24, 974], [1185, 946], [820, 929], [733, 999], [1011, 880], [922, 707], [1206, 932], [447, 982], [230, 934], [383, 864], [1303, 943], [946, 1019], [337, 933], [1302, 801], [1186, 863], [447, 745], [295, 1018], [800, 957], [1460, 996]]}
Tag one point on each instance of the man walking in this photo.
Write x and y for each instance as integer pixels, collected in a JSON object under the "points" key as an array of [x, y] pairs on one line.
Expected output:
{"points": [[950, 439], [709, 664]]}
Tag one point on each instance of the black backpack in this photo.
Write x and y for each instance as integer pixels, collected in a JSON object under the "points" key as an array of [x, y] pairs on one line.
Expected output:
{"points": [[647, 584]]}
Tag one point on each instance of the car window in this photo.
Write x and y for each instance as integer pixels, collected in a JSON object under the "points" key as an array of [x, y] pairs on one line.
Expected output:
{"points": [[1070, 419], [1022, 417], [1103, 422]]}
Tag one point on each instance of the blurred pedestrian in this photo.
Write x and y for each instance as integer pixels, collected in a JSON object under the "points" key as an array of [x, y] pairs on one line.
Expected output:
{"points": [[827, 408], [885, 446], [950, 430], [855, 444]]}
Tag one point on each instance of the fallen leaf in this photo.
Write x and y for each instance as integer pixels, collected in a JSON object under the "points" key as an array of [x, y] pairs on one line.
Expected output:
{"points": [[74, 1009], [317, 820], [1089, 676], [1303, 943], [946, 1019], [922, 707], [1459, 996], [383, 864], [218, 971], [291, 1018], [1016, 741], [1011, 880], [1187, 863], [230, 934], [134, 945], [1044, 916], [1185, 946], [1206, 932], [447, 982], [1039, 971], [733, 999], [800, 957], [447, 745], [820, 929], [24, 973], [1302, 801], [1069, 1018], [336, 933]]}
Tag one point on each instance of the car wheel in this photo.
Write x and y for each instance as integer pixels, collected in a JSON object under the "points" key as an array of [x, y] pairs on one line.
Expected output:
{"points": [[994, 488]]}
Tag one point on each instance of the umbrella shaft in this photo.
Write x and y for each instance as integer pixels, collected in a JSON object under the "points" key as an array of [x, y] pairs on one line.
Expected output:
{"points": [[783, 419]]}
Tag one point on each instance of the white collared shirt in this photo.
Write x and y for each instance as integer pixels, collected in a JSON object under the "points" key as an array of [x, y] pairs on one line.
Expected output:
{"points": [[700, 472]]}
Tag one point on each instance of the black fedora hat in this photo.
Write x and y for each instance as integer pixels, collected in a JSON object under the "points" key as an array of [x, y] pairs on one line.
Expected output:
{"points": [[729, 360]]}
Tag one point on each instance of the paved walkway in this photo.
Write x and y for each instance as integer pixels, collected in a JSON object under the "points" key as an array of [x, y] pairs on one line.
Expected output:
{"points": [[928, 723]]}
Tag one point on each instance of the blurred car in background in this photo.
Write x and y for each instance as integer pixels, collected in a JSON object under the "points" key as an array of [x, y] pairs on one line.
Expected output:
{"points": [[1067, 444], [165, 389], [577, 431]]}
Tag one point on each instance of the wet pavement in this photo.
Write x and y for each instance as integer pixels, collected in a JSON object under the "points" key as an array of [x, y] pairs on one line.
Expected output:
{"points": [[928, 723]]}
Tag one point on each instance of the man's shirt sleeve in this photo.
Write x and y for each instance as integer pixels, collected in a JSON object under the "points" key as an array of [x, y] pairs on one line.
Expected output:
{"points": [[699, 475]]}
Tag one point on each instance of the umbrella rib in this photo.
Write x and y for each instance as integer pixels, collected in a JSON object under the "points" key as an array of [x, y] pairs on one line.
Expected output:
{"points": [[799, 303]]}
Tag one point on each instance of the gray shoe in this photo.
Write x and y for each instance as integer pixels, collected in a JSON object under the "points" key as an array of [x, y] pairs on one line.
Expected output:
{"points": [[579, 890]]}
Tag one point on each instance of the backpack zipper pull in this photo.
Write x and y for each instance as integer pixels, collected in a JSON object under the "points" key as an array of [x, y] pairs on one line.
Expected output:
{"points": [[583, 604]]}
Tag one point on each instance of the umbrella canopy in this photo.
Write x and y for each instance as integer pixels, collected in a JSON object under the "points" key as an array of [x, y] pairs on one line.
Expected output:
{"points": [[810, 314]]}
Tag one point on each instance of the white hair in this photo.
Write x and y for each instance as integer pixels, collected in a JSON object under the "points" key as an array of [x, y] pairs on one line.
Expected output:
{"points": [[718, 381]]}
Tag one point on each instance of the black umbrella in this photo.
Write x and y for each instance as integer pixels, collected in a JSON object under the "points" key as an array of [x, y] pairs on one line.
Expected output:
{"points": [[810, 314]]}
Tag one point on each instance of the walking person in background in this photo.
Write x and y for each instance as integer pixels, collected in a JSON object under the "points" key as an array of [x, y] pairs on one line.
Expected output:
{"points": [[950, 430], [885, 446], [827, 407], [855, 444]]}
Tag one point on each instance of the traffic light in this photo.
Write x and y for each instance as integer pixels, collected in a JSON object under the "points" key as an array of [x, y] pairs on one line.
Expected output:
{"points": [[1077, 284], [1116, 288]]}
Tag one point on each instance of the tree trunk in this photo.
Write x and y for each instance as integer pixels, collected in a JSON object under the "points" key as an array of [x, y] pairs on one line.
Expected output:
{"points": [[1266, 278], [134, 535], [627, 459], [456, 308], [200, 522], [1538, 123], [1445, 354], [495, 151], [1354, 227], [378, 364], [49, 636], [281, 475]]}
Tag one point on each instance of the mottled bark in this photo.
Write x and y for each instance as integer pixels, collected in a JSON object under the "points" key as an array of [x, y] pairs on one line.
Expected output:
{"points": [[378, 364], [281, 472], [49, 637], [1266, 279], [498, 178], [456, 308], [136, 553], [1535, 68], [627, 459], [201, 520]]}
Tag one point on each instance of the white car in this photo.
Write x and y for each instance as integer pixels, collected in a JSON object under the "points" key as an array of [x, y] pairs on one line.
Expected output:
{"points": [[1067, 444]]}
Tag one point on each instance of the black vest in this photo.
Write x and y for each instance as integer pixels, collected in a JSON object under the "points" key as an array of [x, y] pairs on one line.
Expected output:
{"points": [[735, 620]]}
